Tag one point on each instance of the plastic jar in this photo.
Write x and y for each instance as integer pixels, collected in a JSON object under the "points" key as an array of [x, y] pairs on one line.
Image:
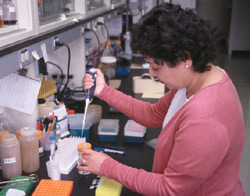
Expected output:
{"points": [[29, 150], [108, 66], [10, 156], [87, 146]]}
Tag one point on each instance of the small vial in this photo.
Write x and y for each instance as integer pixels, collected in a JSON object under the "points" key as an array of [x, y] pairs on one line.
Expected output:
{"points": [[52, 139], [87, 146], [9, 12]]}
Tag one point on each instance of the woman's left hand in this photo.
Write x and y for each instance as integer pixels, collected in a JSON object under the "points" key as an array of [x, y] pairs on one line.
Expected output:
{"points": [[92, 160]]}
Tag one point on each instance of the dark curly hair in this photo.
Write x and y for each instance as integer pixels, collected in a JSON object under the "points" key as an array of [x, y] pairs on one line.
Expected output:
{"points": [[171, 34]]}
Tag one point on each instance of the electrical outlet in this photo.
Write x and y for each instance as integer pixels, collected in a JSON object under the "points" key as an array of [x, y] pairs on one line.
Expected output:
{"points": [[55, 39]]}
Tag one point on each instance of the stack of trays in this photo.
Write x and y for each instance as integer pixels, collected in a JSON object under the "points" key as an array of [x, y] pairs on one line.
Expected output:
{"points": [[96, 111], [134, 132], [108, 130]]}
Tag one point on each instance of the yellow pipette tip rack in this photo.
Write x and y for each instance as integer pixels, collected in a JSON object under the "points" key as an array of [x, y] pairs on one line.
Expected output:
{"points": [[108, 187], [53, 188]]}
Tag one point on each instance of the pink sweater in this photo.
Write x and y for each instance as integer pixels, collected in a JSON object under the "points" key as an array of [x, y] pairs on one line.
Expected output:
{"points": [[197, 153]]}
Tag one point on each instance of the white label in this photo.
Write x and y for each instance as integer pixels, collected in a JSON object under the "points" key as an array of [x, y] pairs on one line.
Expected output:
{"points": [[40, 149], [9, 160], [12, 9]]}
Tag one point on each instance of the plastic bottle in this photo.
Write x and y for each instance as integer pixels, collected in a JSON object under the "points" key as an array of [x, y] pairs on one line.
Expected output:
{"points": [[4, 122], [108, 50], [9, 12], [29, 150], [117, 48], [10, 156], [87, 146], [2, 133], [1, 16]]}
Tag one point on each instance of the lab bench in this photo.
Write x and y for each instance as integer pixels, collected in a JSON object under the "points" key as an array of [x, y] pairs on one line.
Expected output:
{"points": [[138, 155]]}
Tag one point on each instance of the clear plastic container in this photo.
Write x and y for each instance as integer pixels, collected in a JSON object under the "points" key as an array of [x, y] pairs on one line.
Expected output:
{"points": [[1, 16], [4, 122], [108, 66], [29, 150], [9, 12], [108, 130], [10, 156], [87, 146]]}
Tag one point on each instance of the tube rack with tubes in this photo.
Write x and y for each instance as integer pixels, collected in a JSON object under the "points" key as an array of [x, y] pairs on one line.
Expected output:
{"points": [[67, 154]]}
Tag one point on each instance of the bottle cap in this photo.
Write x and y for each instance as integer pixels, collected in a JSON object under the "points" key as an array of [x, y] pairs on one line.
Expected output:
{"points": [[52, 137], [108, 42], [39, 134], [118, 42], [8, 139], [86, 145], [2, 133], [27, 131]]}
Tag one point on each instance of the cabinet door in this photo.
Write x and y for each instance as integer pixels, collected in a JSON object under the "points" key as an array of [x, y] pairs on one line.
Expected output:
{"points": [[53, 14]]}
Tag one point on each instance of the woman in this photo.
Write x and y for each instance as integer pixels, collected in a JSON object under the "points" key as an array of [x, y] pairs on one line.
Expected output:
{"points": [[199, 149]]}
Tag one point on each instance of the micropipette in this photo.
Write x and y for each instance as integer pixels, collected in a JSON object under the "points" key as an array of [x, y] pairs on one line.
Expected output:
{"points": [[89, 96]]}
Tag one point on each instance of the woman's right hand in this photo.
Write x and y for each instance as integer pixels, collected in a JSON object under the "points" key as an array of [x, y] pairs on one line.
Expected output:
{"points": [[88, 82]]}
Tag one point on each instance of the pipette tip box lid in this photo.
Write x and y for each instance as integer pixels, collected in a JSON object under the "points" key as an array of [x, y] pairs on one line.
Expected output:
{"points": [[108, 130], [53, 188], [76, 125], [134, 132]]}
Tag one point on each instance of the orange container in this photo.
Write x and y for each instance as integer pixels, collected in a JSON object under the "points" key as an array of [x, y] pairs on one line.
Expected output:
{"points": [[53, 188]]}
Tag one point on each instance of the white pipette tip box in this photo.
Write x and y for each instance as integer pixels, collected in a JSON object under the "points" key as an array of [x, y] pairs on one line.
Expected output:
{"points": [[134, 132]]}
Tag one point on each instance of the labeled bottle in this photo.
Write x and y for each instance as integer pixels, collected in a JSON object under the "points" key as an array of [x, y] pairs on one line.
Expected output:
{"points": [[87, 146], [9, 12], [29, 150], [10, 156], [1, 16], [2, 133], [4, 122]]}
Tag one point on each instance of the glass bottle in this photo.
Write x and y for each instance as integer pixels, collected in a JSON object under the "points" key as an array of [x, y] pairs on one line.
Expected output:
{"points": [[87, 146], [10, 156], [4, 122], [29, 150], [9, 12], [1, 16]]}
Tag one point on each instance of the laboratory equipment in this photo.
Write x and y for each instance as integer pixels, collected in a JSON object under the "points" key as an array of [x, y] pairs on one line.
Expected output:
{"points": [[108, 66], [52, 140], [29, 150], [4, 122], [10, 156], [76, 125], [53, 187], [53, 170], [85, 145], [89, 97], [108, 130], [66, 153], [9, 12], [1, 16], [32, 178], [134, 132]]}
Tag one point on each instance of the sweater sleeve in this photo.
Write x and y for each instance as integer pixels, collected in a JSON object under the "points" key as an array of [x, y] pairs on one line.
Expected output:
{"points": [[145, 113], [191, 163]]}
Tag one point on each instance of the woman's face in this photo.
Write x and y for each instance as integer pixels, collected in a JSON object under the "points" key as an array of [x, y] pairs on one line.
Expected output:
{"points": [[173, 77]]}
